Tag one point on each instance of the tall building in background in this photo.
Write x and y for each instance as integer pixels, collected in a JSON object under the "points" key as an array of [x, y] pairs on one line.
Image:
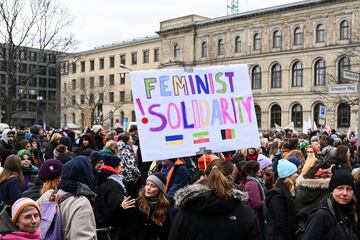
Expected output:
{"points": [[39, 93]]}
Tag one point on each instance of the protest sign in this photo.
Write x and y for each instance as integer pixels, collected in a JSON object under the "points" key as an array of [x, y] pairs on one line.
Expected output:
{"points": [[179, 111]]}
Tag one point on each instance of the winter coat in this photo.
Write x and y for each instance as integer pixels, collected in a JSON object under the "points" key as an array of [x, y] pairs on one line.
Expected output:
{"points": [[28, 174], [131, 172], [10, 191], [204, 215], [141, 227], [78, 221], [332, 222], [99, 142], [340, 163], [256, 195], [49, 150], [282, 224], [309, 193], [107, 205], [5, 148], [34, 188]]}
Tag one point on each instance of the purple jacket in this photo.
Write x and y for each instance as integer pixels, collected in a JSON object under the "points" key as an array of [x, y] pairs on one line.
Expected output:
{"points": [[256, 194]]}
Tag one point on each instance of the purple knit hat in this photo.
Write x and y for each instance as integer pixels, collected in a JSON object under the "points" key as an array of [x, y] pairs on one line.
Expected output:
{"points": [[50, 169]]}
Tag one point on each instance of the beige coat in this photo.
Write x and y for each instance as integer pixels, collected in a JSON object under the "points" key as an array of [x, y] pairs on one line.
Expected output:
{"points": [[77, 216]]}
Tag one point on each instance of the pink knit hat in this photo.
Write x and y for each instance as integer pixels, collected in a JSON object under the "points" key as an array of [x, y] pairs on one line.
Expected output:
{"points": [[19, 206]]}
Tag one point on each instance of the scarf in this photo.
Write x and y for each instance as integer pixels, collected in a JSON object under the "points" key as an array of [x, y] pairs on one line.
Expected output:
{"points": [[21, 235], [119, 179], [110, 169]]}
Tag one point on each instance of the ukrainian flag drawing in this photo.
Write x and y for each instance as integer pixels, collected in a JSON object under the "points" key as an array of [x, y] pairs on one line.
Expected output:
{"points": [[174, 140]]}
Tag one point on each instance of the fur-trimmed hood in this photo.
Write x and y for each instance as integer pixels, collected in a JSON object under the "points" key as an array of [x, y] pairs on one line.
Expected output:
{"points": [[319, 183], [201, 198]]}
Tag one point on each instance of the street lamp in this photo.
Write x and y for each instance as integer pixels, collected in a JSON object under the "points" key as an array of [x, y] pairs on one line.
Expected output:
{"points": [[125, 67]]}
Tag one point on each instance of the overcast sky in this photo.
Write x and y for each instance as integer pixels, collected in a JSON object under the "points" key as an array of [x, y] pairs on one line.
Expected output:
{"points": [[98, 22]]}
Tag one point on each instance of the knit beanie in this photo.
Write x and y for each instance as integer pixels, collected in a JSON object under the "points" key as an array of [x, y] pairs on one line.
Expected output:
{"points": [[341, 177], [19, 206], [159, 179], [21, 153], [50, 169], [264, 161], [286, 168], [112, 161], [95, 157], [97, 128], [304, 144], [295, 161]]}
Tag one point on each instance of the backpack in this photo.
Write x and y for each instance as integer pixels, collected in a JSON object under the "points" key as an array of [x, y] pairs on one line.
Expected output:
{"points": [[51, 225]]}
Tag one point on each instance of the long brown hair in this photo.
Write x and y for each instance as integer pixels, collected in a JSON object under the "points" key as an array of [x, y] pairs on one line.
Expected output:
{"points": [[219, 177], [12, 168], [50, 184], [162, 206]]}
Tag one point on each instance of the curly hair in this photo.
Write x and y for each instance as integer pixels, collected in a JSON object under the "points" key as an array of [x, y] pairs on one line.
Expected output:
{"points": [[162, 206]]}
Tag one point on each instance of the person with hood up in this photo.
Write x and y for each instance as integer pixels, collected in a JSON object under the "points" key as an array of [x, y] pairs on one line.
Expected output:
{"points": [[111, 201], [214, 210], [281, 216], [77, 216], [336, 219], [311, 188], [6, 144], [23, 223]]}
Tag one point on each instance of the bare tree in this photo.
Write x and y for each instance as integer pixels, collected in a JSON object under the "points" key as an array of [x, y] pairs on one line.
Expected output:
{"points": [[88, 96], [40, 25]]}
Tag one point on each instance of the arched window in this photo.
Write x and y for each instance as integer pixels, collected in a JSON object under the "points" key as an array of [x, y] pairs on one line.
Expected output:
{"points": [[133, 117], [316, 114], [297, 115], [257, 41], [237, 44], [275, 115], [221, 48], [320, 72], [204, 49], [276, 39], [320, 33], [73, 118], [344, 64], [177, 52], [344, 30], [258, 115], [343, 115], [122, 116], [298, 36], [276, 76], [297, 74], [256, 78]]}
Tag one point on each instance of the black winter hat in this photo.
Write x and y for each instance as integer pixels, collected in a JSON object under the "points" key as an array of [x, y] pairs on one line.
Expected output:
{"points": [[77, 169], [112, 161], [341, 177], [96, 157]]}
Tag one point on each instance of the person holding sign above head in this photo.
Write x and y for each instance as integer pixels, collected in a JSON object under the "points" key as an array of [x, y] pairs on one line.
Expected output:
{"points": [[214, 210]]}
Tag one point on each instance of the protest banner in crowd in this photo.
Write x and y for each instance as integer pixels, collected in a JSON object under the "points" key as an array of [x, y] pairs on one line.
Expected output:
{"points": [[178, 110]]}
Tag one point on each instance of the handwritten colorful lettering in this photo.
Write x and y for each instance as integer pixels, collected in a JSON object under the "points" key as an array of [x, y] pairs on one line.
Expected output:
{"points": [[172, 106]]}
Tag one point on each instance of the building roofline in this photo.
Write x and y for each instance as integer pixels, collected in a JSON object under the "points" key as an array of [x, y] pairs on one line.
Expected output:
{"points": [[253, 13], [123, 43]]}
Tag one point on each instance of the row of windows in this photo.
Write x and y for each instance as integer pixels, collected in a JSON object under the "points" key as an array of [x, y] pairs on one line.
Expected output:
{"points": [[32, 69], [82, 120], [298, 39], [101, 81], [297, 73], [100, 97], [36, 106], [343, 115], [33, 82], [134, 60]]}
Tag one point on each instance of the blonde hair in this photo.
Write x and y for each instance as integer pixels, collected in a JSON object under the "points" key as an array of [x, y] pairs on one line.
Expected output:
{"points": [[56, 137], [290, 185], [297, 154], [219, 177], [50, 184], [162, 206], [112, 146]]}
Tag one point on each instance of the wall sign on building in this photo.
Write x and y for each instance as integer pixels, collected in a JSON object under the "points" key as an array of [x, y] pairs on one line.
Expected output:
{"points": [[180, 111]]}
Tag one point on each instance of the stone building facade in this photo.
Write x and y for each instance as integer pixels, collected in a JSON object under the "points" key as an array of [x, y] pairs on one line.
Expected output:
{"points": [[294, 51], [95, 84]]}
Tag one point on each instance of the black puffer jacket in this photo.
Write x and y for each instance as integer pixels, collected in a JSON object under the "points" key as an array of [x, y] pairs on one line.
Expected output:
{"points": [[332, 222], [309, 193], [203, 215]]}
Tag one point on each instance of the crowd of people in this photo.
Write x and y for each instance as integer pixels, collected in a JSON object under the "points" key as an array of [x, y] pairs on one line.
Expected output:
{"points": [[295, 186]]}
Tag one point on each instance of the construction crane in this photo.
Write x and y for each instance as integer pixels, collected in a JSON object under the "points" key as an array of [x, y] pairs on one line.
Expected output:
{"points": [[232, 7]]}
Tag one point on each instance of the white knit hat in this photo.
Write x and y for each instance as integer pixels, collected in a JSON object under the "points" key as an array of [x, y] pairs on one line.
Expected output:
{"points": [[96, 128], [19, 206]]}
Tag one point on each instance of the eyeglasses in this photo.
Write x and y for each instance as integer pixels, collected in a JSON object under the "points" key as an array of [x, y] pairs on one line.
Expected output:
{"points": [[310, 151]]}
